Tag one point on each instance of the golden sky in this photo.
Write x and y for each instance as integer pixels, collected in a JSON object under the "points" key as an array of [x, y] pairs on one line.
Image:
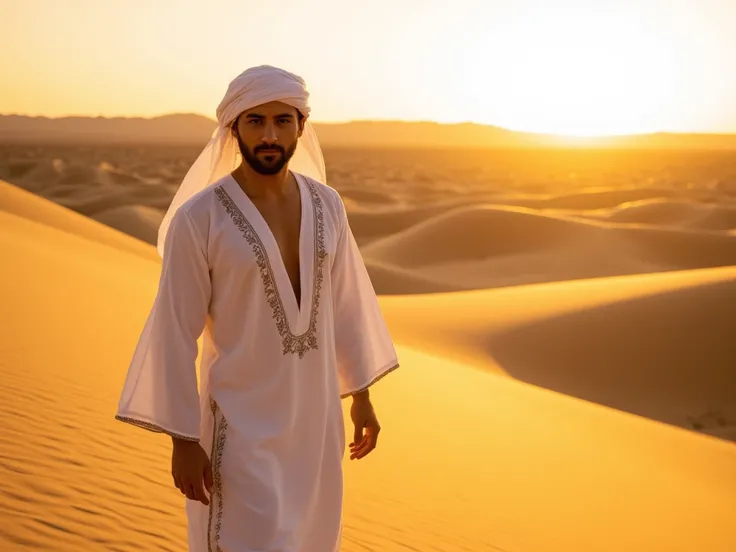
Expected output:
{"points": [[560, 66]]}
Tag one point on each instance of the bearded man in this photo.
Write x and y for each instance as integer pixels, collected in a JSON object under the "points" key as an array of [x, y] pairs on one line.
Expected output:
{"points": [[258, 255]]}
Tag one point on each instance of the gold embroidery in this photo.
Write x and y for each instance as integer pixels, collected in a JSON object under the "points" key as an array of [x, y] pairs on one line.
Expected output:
{"points": [[374, 380], [153, 427], [218, 444], [295, 344]]}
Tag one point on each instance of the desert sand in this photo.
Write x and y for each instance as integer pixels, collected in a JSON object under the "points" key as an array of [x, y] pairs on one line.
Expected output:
{"points": [[567, 379]]}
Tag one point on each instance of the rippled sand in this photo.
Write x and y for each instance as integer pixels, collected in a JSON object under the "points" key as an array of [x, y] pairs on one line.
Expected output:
{"points": [[567, 354]]}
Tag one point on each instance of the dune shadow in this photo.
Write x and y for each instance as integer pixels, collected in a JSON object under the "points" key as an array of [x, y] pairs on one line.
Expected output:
{"points": [[669, 357]]}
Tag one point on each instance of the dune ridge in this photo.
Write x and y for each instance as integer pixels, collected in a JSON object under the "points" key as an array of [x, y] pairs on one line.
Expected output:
{"points": [[138, 221], [31, 207], [655, 345], [492, 245], [679, 213]]}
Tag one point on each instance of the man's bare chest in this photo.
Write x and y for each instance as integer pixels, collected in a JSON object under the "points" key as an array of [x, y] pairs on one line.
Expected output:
{"points": [[284, 221]]}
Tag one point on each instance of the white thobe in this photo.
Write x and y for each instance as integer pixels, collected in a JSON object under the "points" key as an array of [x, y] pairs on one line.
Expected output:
{"points": [[273, 371]]}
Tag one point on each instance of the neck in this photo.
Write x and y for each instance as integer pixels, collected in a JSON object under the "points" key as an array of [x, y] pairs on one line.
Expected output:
{"points": [[263, 185]]}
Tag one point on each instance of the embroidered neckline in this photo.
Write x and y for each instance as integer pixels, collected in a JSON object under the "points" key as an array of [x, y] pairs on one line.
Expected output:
{"points": [[291, 343]]}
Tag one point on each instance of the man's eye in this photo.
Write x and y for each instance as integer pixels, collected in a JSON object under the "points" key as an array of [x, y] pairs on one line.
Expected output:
{"points": [[284, 121]]}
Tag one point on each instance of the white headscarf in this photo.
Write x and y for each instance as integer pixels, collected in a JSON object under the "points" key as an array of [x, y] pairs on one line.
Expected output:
{"points": [[253, 87]]}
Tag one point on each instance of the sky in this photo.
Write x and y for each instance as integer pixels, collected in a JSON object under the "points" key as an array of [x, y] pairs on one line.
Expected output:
{"points": [[571, 67]]}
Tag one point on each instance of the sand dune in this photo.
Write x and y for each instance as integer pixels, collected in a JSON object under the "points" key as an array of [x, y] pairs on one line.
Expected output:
{"points": [[491, 246], [590, 198], [36, 175], [369, 225], [124, 200], [393, 280], [681, 213], [91, 202], [367, 196], [33, 208], [476, 233], [135, 220], [657, 345], [468, 460]]}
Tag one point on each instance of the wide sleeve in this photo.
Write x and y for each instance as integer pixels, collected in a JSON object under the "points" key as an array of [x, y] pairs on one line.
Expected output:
{"points": [[365, 352], [160, 390]]}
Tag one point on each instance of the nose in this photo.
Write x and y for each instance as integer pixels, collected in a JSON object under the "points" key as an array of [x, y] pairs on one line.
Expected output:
{"points": [[269, 133]]}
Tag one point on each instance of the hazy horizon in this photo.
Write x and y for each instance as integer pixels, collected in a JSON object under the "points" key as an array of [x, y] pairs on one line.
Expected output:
{"points": [[581, 138], [565, 68]]}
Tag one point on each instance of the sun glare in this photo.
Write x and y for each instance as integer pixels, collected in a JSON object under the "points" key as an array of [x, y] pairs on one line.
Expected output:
{"points": [[583, 74], [572, 68]]}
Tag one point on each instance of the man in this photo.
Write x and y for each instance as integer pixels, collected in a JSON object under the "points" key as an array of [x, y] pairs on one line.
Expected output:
{"points": [[261, 258]]}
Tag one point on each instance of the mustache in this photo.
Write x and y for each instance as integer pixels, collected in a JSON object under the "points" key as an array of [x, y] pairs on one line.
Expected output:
{"points": [[269, 149]]}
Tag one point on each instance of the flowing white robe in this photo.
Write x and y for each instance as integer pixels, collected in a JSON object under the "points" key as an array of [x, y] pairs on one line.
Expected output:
{"points": [[268, 408]]}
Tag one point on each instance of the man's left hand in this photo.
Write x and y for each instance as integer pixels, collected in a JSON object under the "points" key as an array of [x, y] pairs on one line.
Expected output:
{"points": [[366, 424]]}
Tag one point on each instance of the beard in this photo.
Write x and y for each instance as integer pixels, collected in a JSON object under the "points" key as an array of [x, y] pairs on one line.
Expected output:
{"points": [[273, 163]]}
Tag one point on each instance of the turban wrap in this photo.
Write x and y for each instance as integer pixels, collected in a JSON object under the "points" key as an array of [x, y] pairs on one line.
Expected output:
{"points": [[221, 155]]}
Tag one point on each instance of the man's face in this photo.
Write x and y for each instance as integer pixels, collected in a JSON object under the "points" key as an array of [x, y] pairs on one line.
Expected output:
{"points": [[267, 135]]}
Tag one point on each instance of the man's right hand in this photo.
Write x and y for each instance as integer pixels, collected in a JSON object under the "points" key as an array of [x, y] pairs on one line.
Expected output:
{"points": [[192, 470]]}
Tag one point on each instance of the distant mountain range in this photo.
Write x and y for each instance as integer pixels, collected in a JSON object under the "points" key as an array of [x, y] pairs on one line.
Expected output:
{"points": [[196, 129]]}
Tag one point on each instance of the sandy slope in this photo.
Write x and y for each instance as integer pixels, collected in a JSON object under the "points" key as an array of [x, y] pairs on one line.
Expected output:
{"points": [[28, 205], [680, 213], [469, 460], [369, 225], [657, 345], [486, 246], [135, 220], [599, 197]]}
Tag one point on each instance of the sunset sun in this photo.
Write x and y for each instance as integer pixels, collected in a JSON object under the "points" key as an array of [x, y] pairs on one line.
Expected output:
{"points": [[582, 74], [567, 67]]}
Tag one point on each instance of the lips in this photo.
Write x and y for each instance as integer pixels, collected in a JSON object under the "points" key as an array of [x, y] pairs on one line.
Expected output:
{"points": [[268, 151]]}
